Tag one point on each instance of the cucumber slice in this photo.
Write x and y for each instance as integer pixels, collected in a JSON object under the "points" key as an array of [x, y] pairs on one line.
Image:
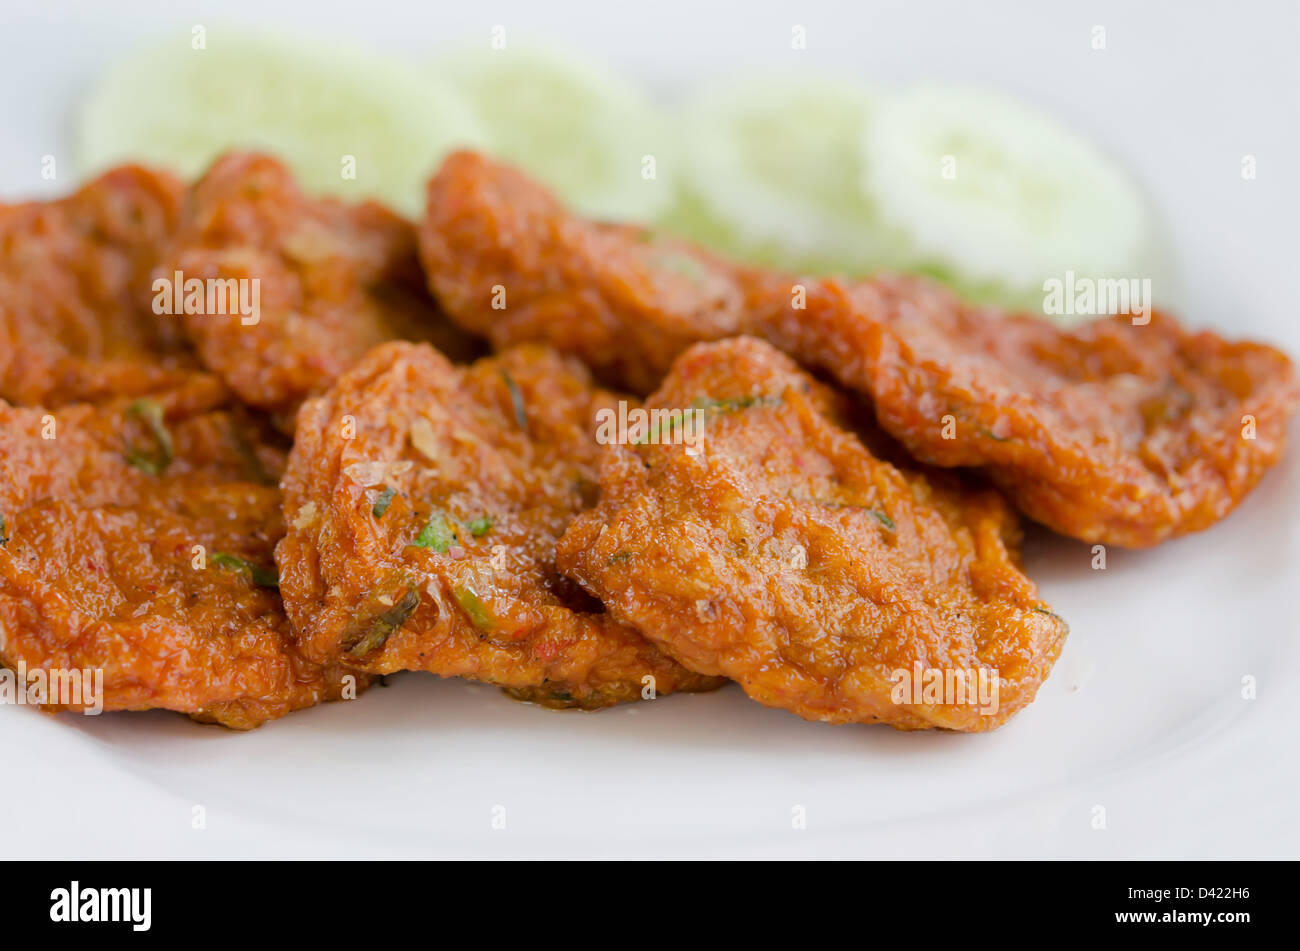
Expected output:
{"points": [[1028, 199], [578, 127], [311, 103], [778, 160]]}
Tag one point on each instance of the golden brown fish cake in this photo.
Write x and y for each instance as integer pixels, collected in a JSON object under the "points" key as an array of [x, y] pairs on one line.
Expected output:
{"points": [[772, 548], [101, 510], [508, 262], [75, 316], [334, 280], [1115, 431], [424, 502]]}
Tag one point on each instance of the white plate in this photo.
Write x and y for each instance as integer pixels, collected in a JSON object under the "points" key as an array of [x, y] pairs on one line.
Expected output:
{"points": [[1143, 721]]}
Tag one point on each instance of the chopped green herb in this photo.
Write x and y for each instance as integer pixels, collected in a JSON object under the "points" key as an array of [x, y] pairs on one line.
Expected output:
{"points": [[385, 499], [562, 695], [4, 531], [881, 517], [255, 467], [708, 404], [1052, 614], [155, 459], [621, 557], [884, 519], [516, 401], [481, 526], [437, 534], [473, 605], [652, 436], [375, 632], [734, 403], [262, 577]]}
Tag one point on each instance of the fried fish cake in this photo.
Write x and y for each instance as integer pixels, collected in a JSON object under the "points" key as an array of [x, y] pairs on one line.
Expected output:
{"points": [[75, 316], [1116, 431], [332, 281], [424, 501], [507, 261], [137, 538], [763, 542]]}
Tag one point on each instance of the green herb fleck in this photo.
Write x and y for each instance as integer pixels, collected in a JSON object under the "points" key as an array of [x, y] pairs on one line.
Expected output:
{"points": [[621, 557], [480, 526], [708, 404], [652, 436], [1051, 614], [385, 499], [155, 459], [473, 605], [437, 534], [563, 696], [734, 403], [262, 577], [4, 531], [881, 517], [379, 629], [516, 401], [884, 519]]}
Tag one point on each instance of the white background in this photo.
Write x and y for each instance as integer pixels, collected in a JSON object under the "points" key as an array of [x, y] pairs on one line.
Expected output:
{"points": [[1143, 715]]}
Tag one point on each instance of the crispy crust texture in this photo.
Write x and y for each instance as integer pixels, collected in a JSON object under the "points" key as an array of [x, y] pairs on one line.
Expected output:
{"points": [[335, 279], [779, 552], [75, 316], [424, 502], [98, 565]]}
